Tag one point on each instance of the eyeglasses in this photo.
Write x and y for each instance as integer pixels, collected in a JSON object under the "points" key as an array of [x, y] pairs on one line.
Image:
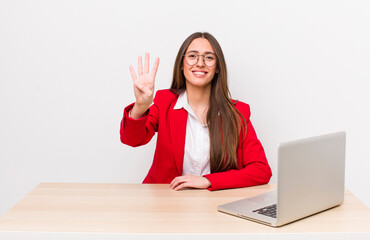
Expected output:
{"points": [[209, 59]]}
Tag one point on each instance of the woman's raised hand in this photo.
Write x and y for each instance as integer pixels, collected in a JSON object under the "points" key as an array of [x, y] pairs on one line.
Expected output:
{"points": [[143, 86]]}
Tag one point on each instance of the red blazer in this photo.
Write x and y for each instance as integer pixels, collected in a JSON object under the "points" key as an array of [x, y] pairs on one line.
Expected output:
{"points": [[170, 124]]}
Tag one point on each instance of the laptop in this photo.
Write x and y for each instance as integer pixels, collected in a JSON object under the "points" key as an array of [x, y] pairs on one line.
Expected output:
{"points": [[310, 180]]}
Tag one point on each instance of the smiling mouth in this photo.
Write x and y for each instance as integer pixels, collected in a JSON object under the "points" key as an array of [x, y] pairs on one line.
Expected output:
{"points": [[199, 73]]}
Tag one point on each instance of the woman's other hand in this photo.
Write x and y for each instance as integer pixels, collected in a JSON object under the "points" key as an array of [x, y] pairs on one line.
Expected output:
{"points": [[189, 181], [143, 86]]}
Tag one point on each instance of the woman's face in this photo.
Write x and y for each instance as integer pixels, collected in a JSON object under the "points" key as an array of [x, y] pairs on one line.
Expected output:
{"points": [[201, 73]]}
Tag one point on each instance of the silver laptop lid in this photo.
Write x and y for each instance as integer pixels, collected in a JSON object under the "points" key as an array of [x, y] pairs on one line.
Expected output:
{"points": [[310, 176]]}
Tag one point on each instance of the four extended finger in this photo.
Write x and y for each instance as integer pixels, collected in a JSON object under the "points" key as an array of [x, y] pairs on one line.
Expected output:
{"points": [[133, 74], [155, 68], [140, 66], [146, 64]]}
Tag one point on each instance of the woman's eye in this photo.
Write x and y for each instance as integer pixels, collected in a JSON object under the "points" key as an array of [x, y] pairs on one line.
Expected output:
{"points": [[192, 56], [210, 58]]}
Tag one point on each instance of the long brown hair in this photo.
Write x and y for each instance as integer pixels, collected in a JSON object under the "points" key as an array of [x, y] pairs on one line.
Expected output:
{"points": [[223, 119]]}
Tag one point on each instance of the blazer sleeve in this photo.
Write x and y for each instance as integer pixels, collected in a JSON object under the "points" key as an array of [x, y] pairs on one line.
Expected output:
{"points": [[253, 166], [138, 132]]}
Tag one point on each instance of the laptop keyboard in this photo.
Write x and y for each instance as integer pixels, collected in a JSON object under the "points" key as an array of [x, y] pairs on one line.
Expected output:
{"points": [[267, 211]]}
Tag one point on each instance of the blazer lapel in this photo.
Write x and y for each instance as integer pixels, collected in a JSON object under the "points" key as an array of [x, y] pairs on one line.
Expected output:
{"points": [[178, 133]]}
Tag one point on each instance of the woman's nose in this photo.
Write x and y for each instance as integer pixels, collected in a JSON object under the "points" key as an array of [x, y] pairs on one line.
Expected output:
{"points": [[200, 61]]}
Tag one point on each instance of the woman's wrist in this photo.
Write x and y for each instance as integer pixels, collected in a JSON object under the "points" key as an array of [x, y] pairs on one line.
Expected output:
{"points": [[207, 182], [138, 110]]}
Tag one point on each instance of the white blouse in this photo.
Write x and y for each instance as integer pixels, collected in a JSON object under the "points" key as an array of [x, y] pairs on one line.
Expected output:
{"points": [[196, 155]]}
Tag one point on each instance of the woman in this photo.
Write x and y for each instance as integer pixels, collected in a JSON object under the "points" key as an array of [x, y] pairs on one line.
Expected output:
{"points": [[205, 139]]}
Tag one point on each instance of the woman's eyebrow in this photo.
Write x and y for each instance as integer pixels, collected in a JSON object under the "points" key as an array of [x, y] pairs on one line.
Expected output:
{"points": [[195, 51]]}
